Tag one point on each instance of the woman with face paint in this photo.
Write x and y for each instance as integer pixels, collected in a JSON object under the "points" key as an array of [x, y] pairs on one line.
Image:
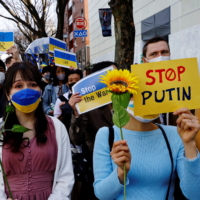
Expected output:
{"points": [[55, 89], [37, 163], [153, 155]]}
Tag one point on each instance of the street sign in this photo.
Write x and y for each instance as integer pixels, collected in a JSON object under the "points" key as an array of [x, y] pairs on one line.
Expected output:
{"points": [[80, 33], [80, 22]]}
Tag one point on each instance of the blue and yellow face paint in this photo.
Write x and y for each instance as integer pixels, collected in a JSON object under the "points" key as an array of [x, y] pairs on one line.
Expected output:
{"points": [[26, 100]]}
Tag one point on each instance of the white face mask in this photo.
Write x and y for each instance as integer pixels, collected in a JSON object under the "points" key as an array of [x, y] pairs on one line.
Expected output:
{"points": [[143, 119], [2, 77], [158, 59]]}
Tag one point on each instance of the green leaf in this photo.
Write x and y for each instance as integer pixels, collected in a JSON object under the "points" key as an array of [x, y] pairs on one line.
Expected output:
{"points": [[19, 129], [120, 103], [121, 118], [122, 99], [10, 109]]}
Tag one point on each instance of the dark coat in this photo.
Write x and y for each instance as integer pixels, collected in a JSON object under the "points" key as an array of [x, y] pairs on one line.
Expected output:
{"points": [[87, 125]]}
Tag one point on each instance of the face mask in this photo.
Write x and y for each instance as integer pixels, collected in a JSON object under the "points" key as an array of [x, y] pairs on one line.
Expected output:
{"points": [[26, 100], [158, 59], [2, 77], [71, 84], [47, 76], [143, 119], [60, 77]]}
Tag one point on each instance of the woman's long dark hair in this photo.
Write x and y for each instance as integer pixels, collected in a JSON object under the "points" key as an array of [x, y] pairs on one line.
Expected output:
{"points": [[54, 78], [27, 72]]}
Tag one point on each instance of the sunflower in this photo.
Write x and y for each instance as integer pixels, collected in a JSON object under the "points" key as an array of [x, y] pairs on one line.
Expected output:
{"points": [[120, 81]]}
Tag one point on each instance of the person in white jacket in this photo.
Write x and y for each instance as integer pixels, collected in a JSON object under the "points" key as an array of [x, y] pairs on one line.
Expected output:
{"points": [[38, 162]]}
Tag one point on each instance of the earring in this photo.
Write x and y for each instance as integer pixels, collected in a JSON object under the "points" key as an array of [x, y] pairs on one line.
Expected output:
{"points": [[9, 102]]}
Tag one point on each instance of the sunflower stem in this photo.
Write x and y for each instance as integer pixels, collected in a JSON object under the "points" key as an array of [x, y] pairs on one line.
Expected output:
{"points": [[6, 180], [121, 134], [122, 138]]}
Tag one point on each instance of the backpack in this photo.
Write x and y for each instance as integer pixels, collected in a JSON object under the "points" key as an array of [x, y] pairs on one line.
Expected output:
{"points": [[178, 195]]}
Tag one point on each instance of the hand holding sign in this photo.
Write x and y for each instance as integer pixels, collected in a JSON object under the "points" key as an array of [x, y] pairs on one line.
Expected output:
{"points": [[188, 127], [74, 99], [14, 52], [167, 86], [94, 94]]}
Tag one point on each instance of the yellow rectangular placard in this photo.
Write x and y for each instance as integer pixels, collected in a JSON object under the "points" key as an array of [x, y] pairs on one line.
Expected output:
{"points": [[167, 86], [94, 93], [65, 59], [55, 43], [6, 40], [94, 100]]}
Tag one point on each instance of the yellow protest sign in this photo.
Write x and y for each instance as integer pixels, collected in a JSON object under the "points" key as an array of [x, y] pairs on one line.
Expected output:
{"points": [[167, 86], [94, 94], [55, 43], [6, 40], [65, 59]]}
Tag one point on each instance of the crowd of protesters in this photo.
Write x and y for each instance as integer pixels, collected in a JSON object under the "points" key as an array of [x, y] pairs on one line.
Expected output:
{"points": [[65, 155]]}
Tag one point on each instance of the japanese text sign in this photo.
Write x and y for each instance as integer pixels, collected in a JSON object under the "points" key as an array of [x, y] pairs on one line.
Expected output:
{"points": [[6, 40], [94, 94], [65, 59], [167, 86]]}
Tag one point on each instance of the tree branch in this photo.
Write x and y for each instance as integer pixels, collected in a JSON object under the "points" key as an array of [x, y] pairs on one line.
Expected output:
{"points": [[17, 18], [8, 18], [113, 3]]}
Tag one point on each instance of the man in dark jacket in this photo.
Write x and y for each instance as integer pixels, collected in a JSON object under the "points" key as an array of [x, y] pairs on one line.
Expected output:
{"points": [[82, 132]]}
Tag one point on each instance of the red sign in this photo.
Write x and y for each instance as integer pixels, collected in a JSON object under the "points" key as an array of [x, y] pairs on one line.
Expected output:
{"points": [[81, 22]]}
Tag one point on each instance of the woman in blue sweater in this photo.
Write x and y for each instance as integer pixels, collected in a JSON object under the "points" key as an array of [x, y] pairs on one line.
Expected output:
{"points": [[147, 159]]}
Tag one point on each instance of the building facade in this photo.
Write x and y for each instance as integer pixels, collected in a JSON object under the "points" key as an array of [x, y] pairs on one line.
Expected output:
{"points": [[80, 46], [176, 20]]}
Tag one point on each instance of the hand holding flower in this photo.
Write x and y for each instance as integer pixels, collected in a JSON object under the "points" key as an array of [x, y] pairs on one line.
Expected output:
{"points": [[120, 154]]}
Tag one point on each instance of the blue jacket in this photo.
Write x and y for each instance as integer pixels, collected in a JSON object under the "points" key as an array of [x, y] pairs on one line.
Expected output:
{"points": [[50, 96]]}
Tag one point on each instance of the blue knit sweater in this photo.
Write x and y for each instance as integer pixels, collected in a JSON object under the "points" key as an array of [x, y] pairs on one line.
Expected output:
{"points": [[149, 175]]}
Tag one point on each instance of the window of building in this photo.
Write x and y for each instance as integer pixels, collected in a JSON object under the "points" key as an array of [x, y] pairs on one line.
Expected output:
{"points": [[156, 25]]}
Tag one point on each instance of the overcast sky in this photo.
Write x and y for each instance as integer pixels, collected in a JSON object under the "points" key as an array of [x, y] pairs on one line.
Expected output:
{"points": [[6, 24]]}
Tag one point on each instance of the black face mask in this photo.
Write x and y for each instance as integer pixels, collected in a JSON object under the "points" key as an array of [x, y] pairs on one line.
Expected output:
{"points": [[71, 84]]}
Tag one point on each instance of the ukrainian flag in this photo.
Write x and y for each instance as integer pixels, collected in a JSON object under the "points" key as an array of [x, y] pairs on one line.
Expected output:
{"points": [[26, 100], [6, 40], [65, 59], [56, 44]]}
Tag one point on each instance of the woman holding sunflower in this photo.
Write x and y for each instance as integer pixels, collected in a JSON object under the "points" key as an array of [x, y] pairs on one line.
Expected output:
{"points": [[147, 162]]}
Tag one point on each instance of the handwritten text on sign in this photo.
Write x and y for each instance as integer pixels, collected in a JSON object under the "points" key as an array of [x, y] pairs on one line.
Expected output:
{"points": [[167, 86], [6, 40], [94, 94], [65, 59]]}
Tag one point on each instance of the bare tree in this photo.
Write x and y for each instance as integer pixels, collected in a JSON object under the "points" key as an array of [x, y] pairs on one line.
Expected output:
{"points": [[124, 32], [21, 41], [60, 10], [32, 17]]}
